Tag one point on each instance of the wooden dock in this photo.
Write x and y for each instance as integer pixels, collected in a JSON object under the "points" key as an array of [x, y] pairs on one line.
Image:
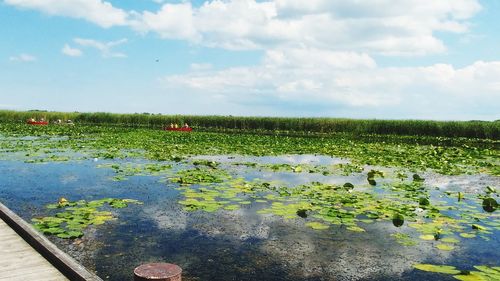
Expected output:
{"points": [[19, 261], [26, 254]]}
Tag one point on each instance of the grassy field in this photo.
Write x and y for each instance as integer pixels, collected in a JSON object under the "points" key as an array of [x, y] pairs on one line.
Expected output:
{"points": [[469, 129]]}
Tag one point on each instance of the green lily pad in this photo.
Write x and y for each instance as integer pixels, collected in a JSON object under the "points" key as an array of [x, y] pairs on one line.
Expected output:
{"points": [[445, 247], [479, 227], [355, 228], [404, 239], [317, 225], [450, 240], [423, 201], [348, 185], [398, 220], [467, 235], [437, 268], [231, 207], [427, 237], [418, 178], [74, 217], [490, 205], [470, 277]]}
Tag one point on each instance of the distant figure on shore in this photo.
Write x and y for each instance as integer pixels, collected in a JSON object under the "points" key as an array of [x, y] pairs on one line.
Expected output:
{"points": [[186, 126], [176, 126], [69, 122], [171, 125], [32, 119]]}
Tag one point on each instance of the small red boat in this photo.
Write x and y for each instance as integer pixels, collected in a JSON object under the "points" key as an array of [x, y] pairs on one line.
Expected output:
{"points": [[39, 123], [178, 129]]}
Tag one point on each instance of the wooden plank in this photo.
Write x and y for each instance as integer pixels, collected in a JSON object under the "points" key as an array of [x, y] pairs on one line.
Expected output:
{"points": [[53, 273], [46, 275], [19, 261], [62, 263]]}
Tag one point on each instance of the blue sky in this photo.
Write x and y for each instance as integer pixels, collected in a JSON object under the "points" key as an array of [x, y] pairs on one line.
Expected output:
{"points": [[394, 59]]}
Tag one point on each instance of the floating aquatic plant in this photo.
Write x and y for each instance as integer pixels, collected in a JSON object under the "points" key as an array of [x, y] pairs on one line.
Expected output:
{"points": [[317, 225], [200, 176], [490, 205], [372, 174], [209, 188], [398, 220], [73, 217], [482, 272], [446, 269], [125, 170], [121, 142], [404, 239]]}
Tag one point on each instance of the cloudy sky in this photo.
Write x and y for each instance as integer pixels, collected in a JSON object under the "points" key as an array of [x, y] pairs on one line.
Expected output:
{"points": [[394, 59]]}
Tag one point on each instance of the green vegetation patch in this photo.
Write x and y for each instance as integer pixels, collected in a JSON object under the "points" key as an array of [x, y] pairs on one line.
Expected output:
{"points": [[482, 272], [72, 218], [443, 155], [404, 239], [446, 269], [125, 170], [200, 176]]}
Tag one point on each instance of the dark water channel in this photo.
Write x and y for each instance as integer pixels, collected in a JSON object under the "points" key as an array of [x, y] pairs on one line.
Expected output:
{"points": [[228, 245]]}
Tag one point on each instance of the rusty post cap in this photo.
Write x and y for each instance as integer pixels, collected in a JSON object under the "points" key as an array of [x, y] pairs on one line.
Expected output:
{"points": [[158, 271]]}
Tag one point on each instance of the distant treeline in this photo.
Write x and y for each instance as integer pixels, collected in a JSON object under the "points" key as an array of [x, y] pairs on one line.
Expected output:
{"points": [[471, 129]]}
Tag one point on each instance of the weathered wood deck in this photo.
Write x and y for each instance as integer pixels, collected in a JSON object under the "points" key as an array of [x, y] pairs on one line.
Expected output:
{"points": [[19, 261], [26, 254]]}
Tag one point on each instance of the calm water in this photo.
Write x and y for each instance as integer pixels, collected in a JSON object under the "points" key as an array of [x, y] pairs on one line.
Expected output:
{"points": [[231, 245]]}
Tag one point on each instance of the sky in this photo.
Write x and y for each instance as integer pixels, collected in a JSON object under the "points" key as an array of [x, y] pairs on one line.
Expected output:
{"points": [[383, 59]]}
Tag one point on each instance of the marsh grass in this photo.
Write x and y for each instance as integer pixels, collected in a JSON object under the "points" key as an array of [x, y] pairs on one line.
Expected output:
{"points": [[285, 125]]}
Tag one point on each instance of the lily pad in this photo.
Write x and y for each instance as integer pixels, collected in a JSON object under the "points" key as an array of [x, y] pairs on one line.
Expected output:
{"points": [[427, 237], [404, 239], [450, 240], [398, 220], [479, 227], [437, 268], [490, 205], [445, 247], [355, 228], [418, 178], [74, 217], [467, 235], [422, 201], [317, 225]]}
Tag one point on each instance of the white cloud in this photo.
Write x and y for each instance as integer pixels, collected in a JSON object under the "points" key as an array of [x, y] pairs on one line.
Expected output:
{"points": [[72, 52], [104, 47], [7, 106], [437, 91], [200, 66], [99, 12], [172, 21], [313, 58], [388, 27], [23, 58], [318, 54], [455, 9]]}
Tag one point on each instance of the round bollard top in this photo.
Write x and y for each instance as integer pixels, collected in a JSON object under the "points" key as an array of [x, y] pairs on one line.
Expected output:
{"points": [[158, 271]]}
